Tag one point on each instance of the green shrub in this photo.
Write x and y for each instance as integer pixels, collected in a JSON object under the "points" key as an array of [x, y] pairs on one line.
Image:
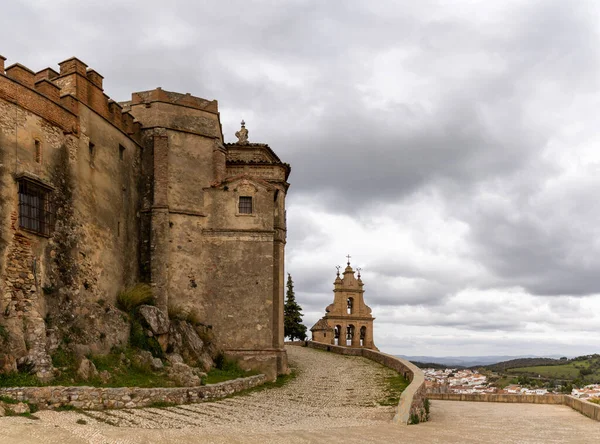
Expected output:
{"points": [[139, 339], [219, 361], [176, 312], [135, 296], [4, 335], [227, 370], [162, 404], [193, 317]]}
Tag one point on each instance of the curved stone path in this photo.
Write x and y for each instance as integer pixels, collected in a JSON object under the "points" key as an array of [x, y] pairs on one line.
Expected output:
{"points": [[333, 399]]}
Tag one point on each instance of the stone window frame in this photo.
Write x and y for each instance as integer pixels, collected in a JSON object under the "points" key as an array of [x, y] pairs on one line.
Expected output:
{"points": [[245, 206], [36, 207]]}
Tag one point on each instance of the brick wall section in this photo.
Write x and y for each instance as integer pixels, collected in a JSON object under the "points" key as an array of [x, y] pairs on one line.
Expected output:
{"points": [[412, 398], [29, 99], [100, 398], [589, 409]]}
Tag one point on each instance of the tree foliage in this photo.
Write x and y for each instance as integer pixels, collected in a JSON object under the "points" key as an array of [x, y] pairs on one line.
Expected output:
{"points": [[292, 321]]}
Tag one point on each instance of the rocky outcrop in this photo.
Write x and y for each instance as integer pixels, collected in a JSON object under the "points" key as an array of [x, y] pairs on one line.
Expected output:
{"points": [[185, 341], [154, 319], [87, 370], [13, 408], [184, 375]]}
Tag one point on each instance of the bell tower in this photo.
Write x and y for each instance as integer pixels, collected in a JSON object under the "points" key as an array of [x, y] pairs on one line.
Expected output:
{"points": [[348, 321]]}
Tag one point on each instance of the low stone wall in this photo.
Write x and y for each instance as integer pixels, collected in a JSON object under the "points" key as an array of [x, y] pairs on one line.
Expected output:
{"points": [[99, 398], [490, 397], [412, 399], [587, 408]]}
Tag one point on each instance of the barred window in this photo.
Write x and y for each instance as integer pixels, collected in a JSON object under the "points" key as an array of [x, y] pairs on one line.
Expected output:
{"points": [[35, 208], [245, 205]]}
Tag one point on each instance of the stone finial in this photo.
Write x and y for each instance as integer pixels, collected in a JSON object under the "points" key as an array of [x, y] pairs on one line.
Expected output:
{"points": [[338, 270], [242, 135], [358, 269]]}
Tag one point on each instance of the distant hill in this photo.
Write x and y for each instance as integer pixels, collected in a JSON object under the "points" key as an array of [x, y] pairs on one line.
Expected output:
{"points": [[524, 362], [581, 370], [466, 361]]}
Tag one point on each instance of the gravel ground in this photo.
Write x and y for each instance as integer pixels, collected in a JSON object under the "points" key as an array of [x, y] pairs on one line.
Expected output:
{"points": [[333, 399]]}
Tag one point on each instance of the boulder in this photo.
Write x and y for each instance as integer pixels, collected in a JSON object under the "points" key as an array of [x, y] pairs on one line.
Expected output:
{"points": [[205, 362], [105, 376], [156, 364], [155, 319], [174, 358], [86, 369], [185, 341], [13, 408], [143, 358], [18, 408], [183, 375]]}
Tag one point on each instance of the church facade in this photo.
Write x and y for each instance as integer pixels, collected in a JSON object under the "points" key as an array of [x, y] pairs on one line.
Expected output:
{"points": [[348, 321], [96, 195]]}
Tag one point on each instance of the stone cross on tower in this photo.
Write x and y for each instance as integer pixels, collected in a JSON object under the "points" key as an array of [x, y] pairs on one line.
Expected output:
{"points": [[242, 134], [348, 259]]}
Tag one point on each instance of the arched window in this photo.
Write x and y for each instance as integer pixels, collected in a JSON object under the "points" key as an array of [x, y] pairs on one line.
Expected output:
{"points": [[363, 335], [336, 334], [350, 303]]}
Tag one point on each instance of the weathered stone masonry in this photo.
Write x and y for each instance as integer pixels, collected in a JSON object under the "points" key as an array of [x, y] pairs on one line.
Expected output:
{"points": [[144, 190], [100, 398]]}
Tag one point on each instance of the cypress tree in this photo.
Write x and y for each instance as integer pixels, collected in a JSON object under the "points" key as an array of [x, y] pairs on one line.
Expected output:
{"points": [[292, 320]]}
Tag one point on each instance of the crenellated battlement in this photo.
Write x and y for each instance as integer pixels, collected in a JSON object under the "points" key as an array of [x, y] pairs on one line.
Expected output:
{"points": [[63, 91], [187, 100]]}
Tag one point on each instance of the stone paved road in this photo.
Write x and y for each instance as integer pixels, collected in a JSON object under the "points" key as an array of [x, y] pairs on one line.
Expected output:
{"points": [[331, 400]]}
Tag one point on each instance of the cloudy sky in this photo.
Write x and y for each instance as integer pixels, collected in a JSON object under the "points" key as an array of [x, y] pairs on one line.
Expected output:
{"points": [[451, 147]]}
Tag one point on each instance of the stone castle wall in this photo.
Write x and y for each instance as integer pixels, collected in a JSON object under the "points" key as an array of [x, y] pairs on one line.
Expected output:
{"points": [[145, 191]]}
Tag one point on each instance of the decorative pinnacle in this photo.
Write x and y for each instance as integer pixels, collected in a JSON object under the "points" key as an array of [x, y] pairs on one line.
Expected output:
{"points": [[348, 259], [338, 270], [242, 134], [358, 269]]}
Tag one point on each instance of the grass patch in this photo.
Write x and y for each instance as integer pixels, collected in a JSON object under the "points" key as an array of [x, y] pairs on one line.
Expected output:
{"points": [[225, 371], [162, 404], [66, 408], [595, 400], [8, 400], [395, 385], [135, 296], [15, 379], [132, 375], [27, 415]]}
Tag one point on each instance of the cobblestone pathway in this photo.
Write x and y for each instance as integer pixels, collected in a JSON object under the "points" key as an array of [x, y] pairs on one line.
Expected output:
{"points": [[330, 390]]}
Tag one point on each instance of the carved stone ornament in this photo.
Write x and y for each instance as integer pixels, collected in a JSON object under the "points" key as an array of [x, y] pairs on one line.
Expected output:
{"points": [[242, 135]]}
